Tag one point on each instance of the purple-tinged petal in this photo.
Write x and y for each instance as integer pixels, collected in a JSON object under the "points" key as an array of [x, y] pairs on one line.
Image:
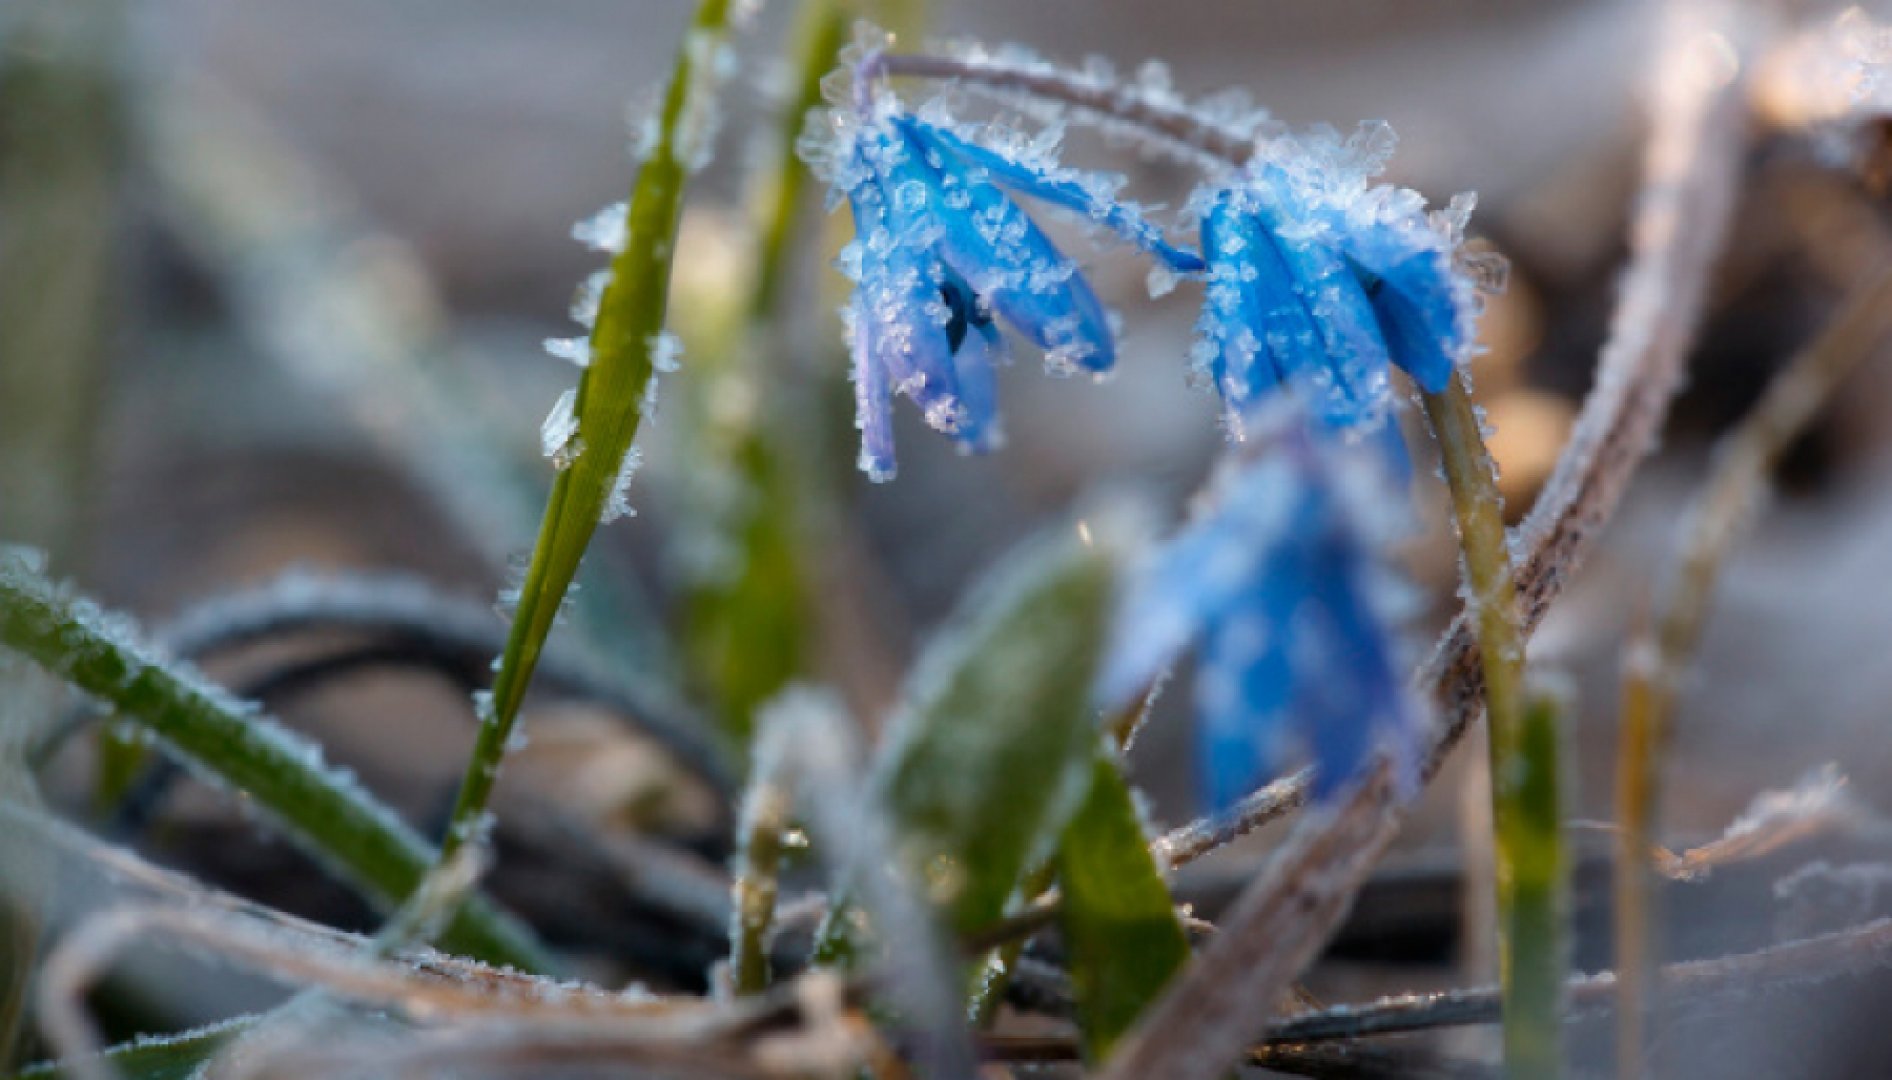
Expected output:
{"points": [[1067, 188], [1009, 262]]}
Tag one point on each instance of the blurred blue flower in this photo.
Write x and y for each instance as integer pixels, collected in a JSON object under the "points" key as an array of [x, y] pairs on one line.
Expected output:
{"points": [[940, 249], [1319, 277], [1280, 586]]}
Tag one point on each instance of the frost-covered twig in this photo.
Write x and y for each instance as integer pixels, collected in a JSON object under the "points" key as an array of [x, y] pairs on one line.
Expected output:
{"points": [[1658, 654], [1166, 117], [322, 808]]}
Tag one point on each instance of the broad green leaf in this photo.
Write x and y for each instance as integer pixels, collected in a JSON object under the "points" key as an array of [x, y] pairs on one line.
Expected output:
{"points": [[1118, 919], [991, 753], [168, 1057], [320, 807]]}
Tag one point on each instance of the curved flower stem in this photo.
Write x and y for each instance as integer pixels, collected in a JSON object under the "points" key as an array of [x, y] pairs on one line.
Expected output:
{"points": [[1176, 127], [1528, 919], [1658, 654], [609, 409]]}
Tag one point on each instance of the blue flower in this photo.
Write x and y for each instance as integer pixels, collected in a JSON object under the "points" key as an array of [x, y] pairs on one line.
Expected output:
{"points": [[1279, 586], [941, 252], [1318, 277]]}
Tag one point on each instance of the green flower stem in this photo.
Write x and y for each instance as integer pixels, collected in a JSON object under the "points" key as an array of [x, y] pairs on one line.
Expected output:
{"points": [[1659, 653], [329, 815], [1479, 512], [1530, 808], [609, 408]]}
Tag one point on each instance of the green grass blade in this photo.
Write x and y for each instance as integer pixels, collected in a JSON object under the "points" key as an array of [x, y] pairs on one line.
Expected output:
{"points": [[168, 1057], [232, 744], [992, 751], [610, 403], [1118, 919]]}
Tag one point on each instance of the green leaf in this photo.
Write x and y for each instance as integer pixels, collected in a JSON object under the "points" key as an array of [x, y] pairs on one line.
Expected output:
{"points": [[171, 1057], [991, 754], [1118, 919], [611, 398], [321, 808]]}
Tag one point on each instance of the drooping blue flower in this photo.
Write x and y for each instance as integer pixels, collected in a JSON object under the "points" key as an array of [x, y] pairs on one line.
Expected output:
{"points": [[942, 252], [1319, 277], [1279, 586]]}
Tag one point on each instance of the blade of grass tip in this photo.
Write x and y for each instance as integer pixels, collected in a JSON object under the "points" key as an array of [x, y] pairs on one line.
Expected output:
{"points": [[1530, 804], [746, 620], [1659, 653], [228, 742], [613, 395]]}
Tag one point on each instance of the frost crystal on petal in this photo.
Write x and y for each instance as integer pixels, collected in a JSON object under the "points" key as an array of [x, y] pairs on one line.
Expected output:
{"points": [[1320, 278]]}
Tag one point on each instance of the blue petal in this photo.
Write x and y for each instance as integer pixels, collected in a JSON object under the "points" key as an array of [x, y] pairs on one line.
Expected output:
{"points": [[1244, 693], [974, 363], [1419, 296], [873, 400], [1010, 263], [900, 301], [1061, 191], [1348, 382], [1233, 322]]}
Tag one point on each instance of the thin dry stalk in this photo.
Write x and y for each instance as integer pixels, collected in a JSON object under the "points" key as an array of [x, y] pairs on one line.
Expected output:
{"points": [[1658, 656]]}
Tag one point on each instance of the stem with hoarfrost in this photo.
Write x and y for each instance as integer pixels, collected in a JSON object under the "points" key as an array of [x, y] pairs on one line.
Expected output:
{"points": [[609, 411]]}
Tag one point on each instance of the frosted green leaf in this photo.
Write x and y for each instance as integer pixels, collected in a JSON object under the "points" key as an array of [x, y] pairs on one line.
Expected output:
{"points": [[1118, 920]]}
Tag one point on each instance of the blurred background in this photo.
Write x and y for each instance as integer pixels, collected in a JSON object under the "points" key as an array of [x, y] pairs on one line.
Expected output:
{"points": [[274, 276]]}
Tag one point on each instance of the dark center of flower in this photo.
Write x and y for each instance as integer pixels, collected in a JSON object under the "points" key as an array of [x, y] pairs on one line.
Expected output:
{"points": [[965, 309]]}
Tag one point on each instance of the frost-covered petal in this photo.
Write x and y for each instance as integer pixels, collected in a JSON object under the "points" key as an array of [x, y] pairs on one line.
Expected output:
{"points": [[1280, 582], [873, 399], [975, 363], [1068, 188], [1010, 263], [900, 305]]}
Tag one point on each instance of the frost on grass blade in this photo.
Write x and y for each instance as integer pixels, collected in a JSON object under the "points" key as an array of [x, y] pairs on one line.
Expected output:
{"points": [[618, 503], [605, 230], [232, 746]]}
